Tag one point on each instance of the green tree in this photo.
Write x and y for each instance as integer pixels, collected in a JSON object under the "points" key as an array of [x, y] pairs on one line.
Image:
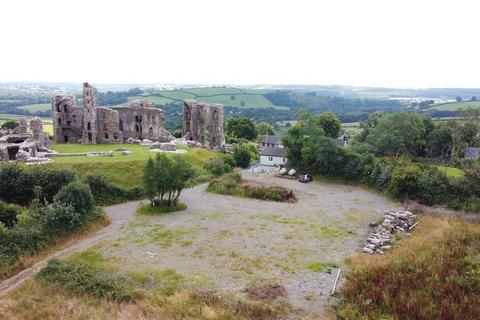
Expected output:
{"points": [[242, 155], [398, 133], [293, 140], [241, 128], [440, 141], [265, 128], [164, 179], [329, 123]]}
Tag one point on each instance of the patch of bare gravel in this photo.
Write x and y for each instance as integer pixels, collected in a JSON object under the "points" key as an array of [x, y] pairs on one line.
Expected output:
{"points": [[230, 244]]}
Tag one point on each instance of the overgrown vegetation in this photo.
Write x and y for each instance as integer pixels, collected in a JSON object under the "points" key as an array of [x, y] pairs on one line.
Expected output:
{"points": [[96, 288], [435, 274], [383, 160], [232, 184], [83, 279], [34, 228], [149, 209]]}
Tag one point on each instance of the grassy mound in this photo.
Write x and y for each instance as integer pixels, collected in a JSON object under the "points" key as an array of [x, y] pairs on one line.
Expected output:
{"points": [[435, 274]]}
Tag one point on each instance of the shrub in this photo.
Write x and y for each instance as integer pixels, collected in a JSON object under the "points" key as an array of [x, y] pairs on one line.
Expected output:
{"points": [[8, 213], [404, 178], [58, 218], [105, 192], [217, 166], [78, 195], [243, 156], [225, 185], [83, 279], [17, 183], [229, 159]]}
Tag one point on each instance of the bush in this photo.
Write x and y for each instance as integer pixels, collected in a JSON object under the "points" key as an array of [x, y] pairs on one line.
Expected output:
{"points": [[243, 156], [83, 279], [59, 219], [8, 213], [78, 195], [105, 192], [217, 166], [17, 183], [404, 178]]}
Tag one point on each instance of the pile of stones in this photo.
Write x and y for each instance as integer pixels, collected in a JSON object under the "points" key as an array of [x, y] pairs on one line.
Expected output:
{"points": [[394, 222]]}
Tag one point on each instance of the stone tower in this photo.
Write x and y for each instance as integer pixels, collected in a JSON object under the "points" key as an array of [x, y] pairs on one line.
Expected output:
{"points": [[215, 126], [90, 104], [203, 123]]}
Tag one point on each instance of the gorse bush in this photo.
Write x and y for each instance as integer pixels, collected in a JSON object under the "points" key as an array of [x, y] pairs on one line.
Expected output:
{"points": [[83, 279], [17, 183]]}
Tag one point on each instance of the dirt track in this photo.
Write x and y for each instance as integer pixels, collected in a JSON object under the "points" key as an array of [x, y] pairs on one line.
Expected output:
{"points": [[120, 215]]}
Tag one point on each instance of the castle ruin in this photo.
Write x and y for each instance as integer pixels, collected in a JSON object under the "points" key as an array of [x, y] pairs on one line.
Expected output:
{"points": [[203, 123], [91, 124], [23, 144]]}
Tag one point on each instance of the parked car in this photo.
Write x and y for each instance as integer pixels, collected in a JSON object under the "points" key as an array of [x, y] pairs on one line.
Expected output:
{"points": [[305, 178]]}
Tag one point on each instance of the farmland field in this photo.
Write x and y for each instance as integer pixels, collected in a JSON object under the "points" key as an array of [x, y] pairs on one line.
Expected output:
{"points": [[234, 97], [37, 107], [454, 106]]}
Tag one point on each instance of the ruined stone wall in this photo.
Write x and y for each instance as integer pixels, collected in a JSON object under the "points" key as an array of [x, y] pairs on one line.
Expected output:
{"points": [[67, 119], [203, 123], [107, 131], [90, 105], [142, 121], [187, 116], [216, 138]]}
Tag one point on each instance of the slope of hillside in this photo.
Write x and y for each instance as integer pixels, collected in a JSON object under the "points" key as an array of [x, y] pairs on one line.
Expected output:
{"points": [[454, 106]]}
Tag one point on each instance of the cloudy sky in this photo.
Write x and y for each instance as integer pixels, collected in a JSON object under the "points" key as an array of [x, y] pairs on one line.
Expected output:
{"points": [[396, 43]]}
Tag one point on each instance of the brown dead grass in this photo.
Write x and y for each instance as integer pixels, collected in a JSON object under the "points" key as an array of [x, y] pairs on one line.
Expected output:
{"points": [[269, 292], [434, 274]]}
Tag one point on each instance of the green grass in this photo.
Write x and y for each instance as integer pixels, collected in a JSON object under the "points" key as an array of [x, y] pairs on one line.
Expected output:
{"points": [[235, 97], [451, 172], [454, 106], [323, 267], [147, 209], [125, 171], [37, 107]]}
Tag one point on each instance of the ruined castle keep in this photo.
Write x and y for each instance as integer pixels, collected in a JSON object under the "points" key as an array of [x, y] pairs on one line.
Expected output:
{"points": [[203, 123], [91, 124]]}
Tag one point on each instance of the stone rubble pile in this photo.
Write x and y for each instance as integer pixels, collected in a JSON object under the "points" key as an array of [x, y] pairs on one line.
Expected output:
{"points": [[394, 222]]}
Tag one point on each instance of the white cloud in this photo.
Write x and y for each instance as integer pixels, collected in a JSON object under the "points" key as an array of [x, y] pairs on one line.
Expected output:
{"points": [[371, 43]]}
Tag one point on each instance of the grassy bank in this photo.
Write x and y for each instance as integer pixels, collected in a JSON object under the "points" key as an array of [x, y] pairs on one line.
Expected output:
{"points": [[99, 288], [148, 209], [434, 274], [125, 171]]}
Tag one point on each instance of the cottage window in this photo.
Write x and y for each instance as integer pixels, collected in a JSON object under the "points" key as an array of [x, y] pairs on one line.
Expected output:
{"points": [[270, 158]]}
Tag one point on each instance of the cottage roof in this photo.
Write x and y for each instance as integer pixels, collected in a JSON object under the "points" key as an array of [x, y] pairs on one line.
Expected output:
{"points": [[276, 139], [273, 151]]}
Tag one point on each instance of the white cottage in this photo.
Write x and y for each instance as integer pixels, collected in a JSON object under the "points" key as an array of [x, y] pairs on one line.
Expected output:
{"points": [[272, 156]]}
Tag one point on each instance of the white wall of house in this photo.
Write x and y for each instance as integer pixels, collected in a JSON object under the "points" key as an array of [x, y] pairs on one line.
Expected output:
{"points": [[272, 160]]}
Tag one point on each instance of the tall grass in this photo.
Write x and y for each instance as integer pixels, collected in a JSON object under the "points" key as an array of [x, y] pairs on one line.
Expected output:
{"points": [[232, 184], [435, 274]]}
